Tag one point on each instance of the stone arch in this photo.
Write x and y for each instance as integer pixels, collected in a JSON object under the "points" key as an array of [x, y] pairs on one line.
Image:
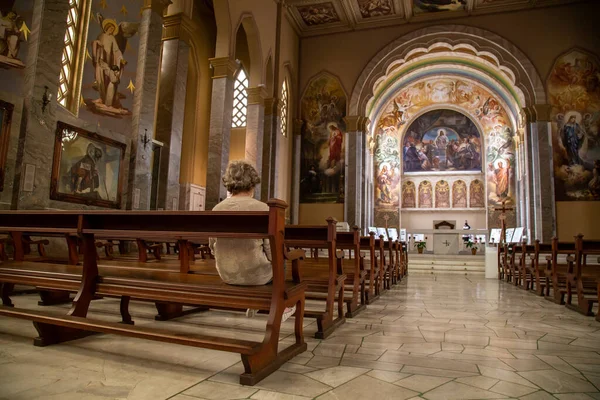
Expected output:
{"points": [[255, 69], [459, 194], [425, 194], [484, 45]]}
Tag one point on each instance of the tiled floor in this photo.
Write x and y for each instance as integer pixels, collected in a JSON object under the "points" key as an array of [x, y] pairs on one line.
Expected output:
{"points": [[433, 337]]}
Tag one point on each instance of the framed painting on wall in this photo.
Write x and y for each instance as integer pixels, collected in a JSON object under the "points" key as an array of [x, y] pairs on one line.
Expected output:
{"points": [[6, 110], [87, 168]]}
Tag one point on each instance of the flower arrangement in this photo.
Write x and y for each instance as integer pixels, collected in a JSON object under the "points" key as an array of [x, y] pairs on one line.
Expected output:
{"points": [[473, 245]]}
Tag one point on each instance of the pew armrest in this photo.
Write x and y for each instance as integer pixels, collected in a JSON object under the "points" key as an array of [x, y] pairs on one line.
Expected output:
{"points": [[339, 253], [296, 257]]}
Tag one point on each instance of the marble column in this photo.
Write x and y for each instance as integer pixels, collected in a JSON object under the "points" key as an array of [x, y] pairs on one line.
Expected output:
{"points": [[528, 176], [144, 104], [255, 124], [271, 137], [221, 111], [354, 177], [542, 174], [296, 166], [36, 139], [170, 112]]}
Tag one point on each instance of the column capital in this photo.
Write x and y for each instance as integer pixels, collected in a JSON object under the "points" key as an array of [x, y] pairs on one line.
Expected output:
{"points": [[542, 112], [172, 26], [257, 95], [298, 123], [158, 6], [223, 67], [271, 106], [356, 123]]}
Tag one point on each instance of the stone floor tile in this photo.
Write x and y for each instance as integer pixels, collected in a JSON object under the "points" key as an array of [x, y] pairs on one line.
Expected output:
{"points": [[296, 384], [422, 383], [504, 375], [559, 364], [336, 376], [387, 376], [380, 365], [400, 358], [436, 372], [466, 339], [323, 362], [366, 387], [452, 346], [267, 395], [514, 343], [512, 389], [481, 382], [558, 382], [329, 350], [527, 365], [296, 368], [421, 348], [539, 395], [458, 391], [574, 396], [220, 391]]}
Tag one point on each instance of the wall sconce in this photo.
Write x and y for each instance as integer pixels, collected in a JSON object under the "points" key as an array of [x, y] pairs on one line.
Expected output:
{"points": [[145, 139], [45, 99]]}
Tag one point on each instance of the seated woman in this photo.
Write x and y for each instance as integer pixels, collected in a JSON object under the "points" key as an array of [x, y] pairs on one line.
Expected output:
{"points": [[243, 261]]}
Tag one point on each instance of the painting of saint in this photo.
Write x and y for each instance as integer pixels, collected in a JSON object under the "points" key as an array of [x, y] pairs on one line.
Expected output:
{"points": [[442, 194], [409, 195], [476, 195], [384, 181], [374, 8], [87, 168], [13, 31], [425, 195], [459, 194], [442, 140], [109, 64], [574, 93], [323, 108], [318, 14], [499, 173]]}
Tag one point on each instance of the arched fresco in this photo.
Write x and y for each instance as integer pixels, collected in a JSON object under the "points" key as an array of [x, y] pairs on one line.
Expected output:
{"points": [[425, 195], [409, 195], [574, 91], [323, 109], [459, 194], [476, 194], [483, 109], [442, 194]]}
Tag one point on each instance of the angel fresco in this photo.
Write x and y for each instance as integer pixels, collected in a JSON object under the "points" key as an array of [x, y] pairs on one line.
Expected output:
{"points": [[13, 30], [109, 64]]}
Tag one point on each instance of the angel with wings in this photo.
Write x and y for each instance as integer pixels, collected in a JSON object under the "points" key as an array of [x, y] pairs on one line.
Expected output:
{"points": [[109, 63]]}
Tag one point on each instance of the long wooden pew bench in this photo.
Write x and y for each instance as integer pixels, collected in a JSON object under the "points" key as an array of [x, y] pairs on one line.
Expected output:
{"points": [[259, 358], [354, 293], [541, 269], [526, 265], [502, 261], [583, 275], [562, 255], [371, 266], [325, 276]]}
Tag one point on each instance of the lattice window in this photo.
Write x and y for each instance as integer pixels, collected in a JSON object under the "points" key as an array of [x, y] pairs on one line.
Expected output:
{"points": [[240, 100], [72, 56], [284, 108]]}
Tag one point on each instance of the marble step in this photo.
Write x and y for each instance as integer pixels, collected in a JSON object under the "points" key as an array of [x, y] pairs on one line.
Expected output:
{"points": [[456, 264]]}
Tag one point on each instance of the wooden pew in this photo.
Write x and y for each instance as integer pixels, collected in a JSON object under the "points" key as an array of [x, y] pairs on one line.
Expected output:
{"points": [[559, 270], [390, 264], [403, 248], [383, 264], [260, 358], [583, 275], [325, 277], [526, 266], [354, 291], [372, 280], [541, 270], [502, 261]]}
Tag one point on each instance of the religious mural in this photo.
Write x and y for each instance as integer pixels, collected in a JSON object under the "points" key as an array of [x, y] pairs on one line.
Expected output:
{"points": [[111, 62], [425, 195], [322, 161], [375, 8], [442, 194], [459, 194], [476, 194], [422, 6], [442, 140], [318, 14], [15, 19], [409, 196], [574, 93]]}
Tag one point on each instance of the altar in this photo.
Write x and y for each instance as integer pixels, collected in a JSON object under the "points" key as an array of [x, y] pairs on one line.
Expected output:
{"points": [[446, 241]]}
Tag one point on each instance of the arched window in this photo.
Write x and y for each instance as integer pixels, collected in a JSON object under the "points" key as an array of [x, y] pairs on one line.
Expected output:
{"points": [[73, 55], [284, 108], [240, 100]]}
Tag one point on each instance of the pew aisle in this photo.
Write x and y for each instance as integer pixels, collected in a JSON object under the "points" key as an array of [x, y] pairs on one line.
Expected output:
{"points": [[437, 337]]}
